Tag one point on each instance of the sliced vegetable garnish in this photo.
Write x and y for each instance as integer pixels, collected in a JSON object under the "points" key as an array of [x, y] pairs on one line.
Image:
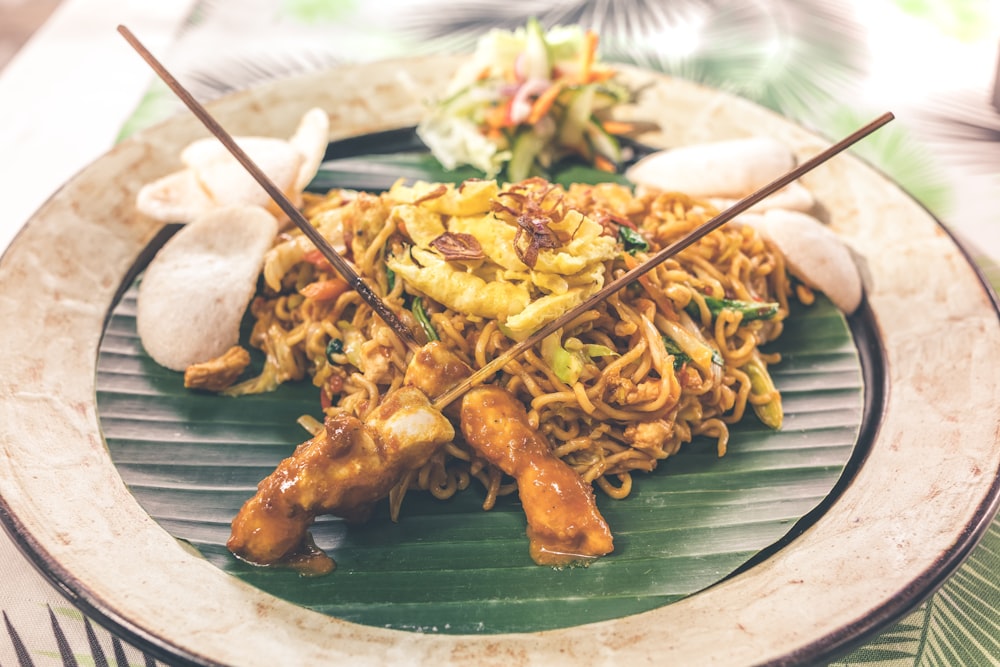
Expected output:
{"points": [[335, 346], [457, 246], [566, 365], [524, 157], [751, 310], [528, 99], [325, 290], [423, 318], [674, 350], [632, 240], [568, 359], [700, 352], [769, 411], [353, 339]]}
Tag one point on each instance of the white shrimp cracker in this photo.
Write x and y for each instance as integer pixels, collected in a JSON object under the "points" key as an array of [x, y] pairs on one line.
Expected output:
{"points": [[194, 293]]}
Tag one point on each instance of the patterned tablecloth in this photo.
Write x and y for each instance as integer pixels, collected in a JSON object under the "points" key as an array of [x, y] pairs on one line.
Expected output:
{"points": [[827, 64]]}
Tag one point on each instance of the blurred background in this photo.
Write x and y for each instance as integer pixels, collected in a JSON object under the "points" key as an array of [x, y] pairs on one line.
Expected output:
{"points": [[18, 20]]}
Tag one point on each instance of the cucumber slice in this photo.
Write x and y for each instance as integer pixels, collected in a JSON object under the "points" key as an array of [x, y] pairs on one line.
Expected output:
{"points": [[600, 142], [537, 63], [575, 119], [527, 146]]}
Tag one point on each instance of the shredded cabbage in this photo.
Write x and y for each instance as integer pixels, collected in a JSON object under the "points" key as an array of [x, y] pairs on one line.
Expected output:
{"points": [[526, 99]]}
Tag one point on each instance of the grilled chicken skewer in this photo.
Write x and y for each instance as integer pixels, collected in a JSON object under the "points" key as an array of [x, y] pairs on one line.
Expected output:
{"points": [[351, 464], [344, 470], [564, 524]]}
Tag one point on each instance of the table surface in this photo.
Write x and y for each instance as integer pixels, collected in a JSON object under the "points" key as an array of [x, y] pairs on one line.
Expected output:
{"points": [[76, 88]]}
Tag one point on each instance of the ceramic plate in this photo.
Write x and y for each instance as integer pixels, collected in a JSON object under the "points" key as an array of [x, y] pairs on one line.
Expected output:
{"points": [[921, 487]]}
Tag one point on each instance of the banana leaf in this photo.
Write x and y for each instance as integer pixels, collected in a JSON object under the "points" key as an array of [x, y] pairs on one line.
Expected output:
{"points": [[191, 459]]}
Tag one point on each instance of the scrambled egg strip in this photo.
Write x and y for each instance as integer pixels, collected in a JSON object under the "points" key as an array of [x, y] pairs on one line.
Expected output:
{"points": [[462, 291], [501, 286]]}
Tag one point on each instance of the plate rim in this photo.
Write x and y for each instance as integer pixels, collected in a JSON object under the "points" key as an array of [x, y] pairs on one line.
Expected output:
{"points": [[90, 599]]}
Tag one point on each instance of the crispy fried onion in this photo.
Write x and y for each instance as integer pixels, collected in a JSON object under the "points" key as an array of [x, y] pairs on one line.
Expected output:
{"points": [[458, 245], [534, 205]]}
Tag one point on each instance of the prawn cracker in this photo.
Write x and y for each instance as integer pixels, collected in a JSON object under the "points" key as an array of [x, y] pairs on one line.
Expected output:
{"points": [[193, 294]]}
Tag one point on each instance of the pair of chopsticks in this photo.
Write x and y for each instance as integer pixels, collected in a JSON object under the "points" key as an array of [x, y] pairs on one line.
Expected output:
{"points": [[391, 319]]}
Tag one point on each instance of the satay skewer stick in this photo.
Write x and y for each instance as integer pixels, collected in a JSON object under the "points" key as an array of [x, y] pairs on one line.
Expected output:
{"points": [[342, 266], [722, 218]]}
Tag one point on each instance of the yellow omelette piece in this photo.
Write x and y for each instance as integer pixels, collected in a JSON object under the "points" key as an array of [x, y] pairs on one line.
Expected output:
{"points": [[545, 309], [472, 197], [458, 289], [553, 283], [501, 287], [586, 247], [422, 225], [495, 237], [572, 291]]}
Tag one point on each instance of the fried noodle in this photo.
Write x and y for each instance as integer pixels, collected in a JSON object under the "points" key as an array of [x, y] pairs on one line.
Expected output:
{"points": [[667, 368]]}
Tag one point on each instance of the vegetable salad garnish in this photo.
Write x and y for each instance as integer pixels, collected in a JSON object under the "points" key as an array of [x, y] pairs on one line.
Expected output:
{"points": [[525, 101]]}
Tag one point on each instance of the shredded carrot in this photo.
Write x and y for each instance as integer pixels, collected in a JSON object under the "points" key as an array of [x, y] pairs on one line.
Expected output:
{"points": [[316, 258], [600, 75], [484, 74], [325, 290], [498, 116], [665, 305], [588, 55], [543, 104], [617, 127], [604, 164]]}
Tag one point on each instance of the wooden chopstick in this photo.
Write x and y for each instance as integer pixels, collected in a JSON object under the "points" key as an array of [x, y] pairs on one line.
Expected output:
{"points": [[339, 263], [741, 206]]}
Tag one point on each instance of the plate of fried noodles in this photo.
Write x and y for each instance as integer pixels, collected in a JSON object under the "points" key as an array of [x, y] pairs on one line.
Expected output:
{"points": [[716, 465]]}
